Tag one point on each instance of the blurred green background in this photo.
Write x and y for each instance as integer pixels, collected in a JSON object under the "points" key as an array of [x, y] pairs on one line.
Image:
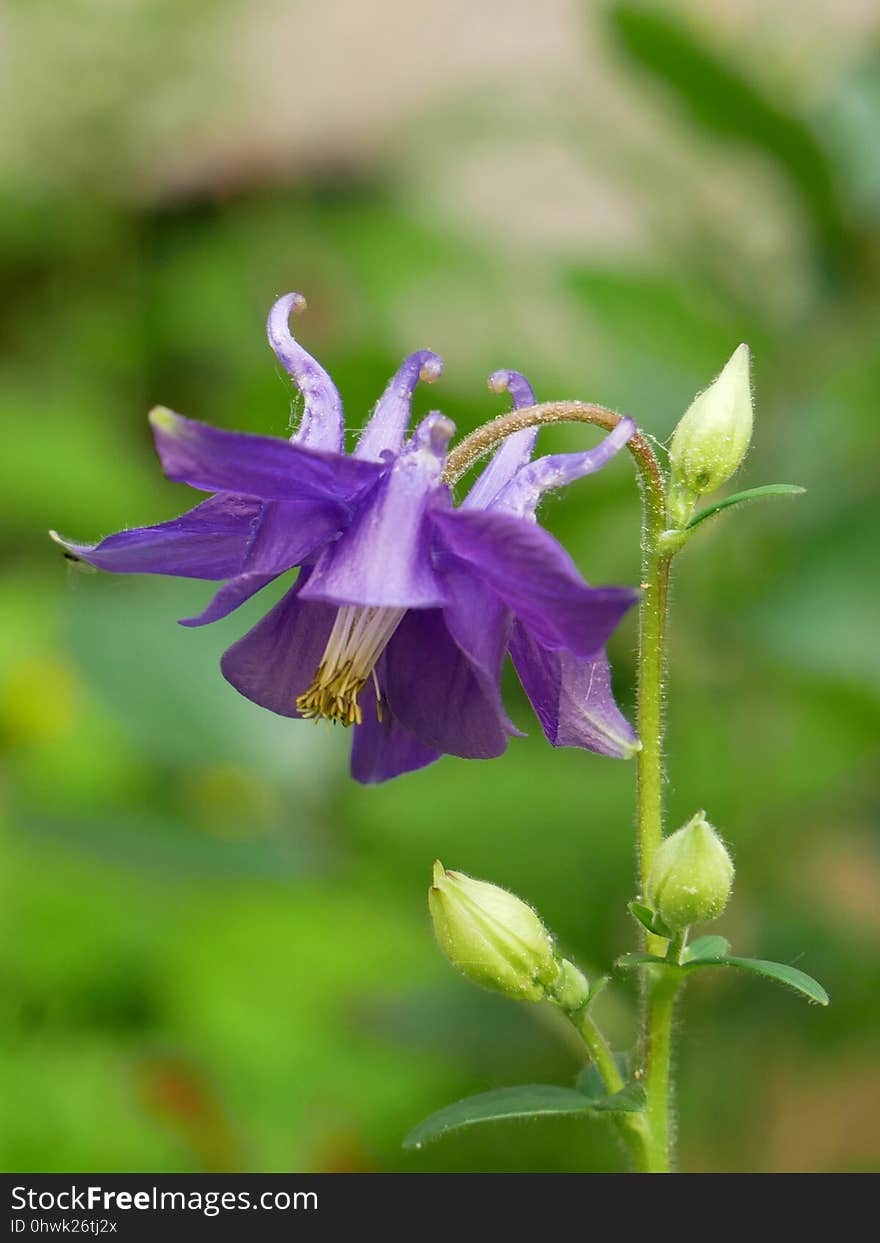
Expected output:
{"points": [[215, 951]]}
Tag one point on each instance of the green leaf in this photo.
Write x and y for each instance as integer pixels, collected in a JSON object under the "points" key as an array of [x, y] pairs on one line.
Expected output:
{"points": [[528, 1100], [711, 951], [741, 498], [707, 947], [630, 1099], [648, 919], [780, 972]]}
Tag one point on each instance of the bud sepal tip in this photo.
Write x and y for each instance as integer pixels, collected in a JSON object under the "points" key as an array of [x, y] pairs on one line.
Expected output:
{"points": [[691, 876]]}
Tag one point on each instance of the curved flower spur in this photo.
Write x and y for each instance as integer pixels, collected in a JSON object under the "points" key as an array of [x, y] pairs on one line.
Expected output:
{"points": [[404, 607]]}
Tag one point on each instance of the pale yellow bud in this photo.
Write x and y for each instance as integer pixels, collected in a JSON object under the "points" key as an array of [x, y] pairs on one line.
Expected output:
{"points": [[712, 438], [691, 876], [492, 936]]}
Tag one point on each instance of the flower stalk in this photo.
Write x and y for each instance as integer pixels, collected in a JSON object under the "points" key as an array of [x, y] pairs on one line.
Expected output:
{"points": [[661, 990], [650, 1142]]}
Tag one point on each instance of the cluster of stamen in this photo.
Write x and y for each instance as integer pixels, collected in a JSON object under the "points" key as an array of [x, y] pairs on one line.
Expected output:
{"points": [[358, 638]]}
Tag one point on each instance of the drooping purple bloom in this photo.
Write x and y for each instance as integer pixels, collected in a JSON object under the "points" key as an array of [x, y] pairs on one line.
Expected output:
{"points": [[404, 607]]}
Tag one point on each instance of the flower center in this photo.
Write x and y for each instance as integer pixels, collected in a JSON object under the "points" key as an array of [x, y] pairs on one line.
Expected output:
{"points": [[357, 640]]}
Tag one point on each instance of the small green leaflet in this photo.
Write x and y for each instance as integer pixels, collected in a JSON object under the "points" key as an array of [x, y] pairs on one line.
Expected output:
{"points": [[780, 972], [707, 947], [703, 953], [741, 498], [529, 1100], [648, 919], [630, 1098]]}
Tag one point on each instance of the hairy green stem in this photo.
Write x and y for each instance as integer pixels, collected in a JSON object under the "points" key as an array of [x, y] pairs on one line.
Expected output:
{"points": [[598, 1049], [651, 659], [675, 948], [660, 988], [652, 1152], [662, 991], [632, 1127]]}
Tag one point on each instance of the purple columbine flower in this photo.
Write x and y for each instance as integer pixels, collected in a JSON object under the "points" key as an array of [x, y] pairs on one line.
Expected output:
{"points": [[404, 607]]}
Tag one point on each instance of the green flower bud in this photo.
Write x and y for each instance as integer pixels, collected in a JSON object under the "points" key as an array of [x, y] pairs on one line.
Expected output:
{"points": [[691, 876], [572, 989], [712, 438], [491, 936]]}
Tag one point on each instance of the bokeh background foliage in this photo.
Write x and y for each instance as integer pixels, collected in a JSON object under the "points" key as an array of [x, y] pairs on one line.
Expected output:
{"points": [[214, 949]]}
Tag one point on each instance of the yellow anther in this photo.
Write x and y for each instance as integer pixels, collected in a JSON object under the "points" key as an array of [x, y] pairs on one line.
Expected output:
{"points": [[357, 640]]}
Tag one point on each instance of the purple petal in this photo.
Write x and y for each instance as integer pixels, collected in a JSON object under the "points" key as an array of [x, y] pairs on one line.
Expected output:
{"points": [[263, 466], [384, 558], [522, 494], [276, 661], [289, 532], [515, 451], [385, 749], [438, 694], [322, 425], [572, 697], [286, 534], [209, 541], [534, 575], [477, 619], [387, 427], [231, 596]]}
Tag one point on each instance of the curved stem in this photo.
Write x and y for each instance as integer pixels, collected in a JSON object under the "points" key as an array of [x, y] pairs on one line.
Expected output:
{"points": [[632, 1127], [598, 1049], [656, 560], [485, 438]]}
